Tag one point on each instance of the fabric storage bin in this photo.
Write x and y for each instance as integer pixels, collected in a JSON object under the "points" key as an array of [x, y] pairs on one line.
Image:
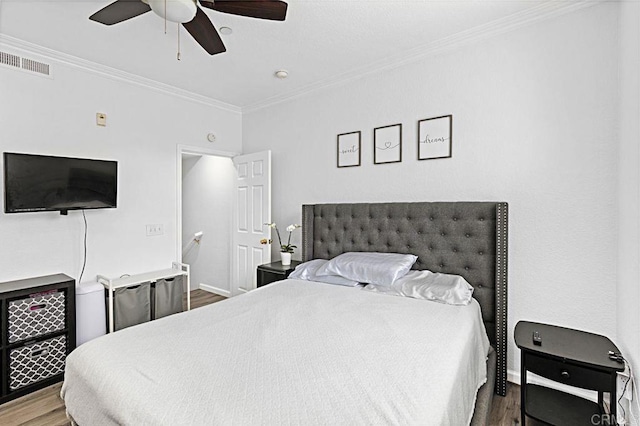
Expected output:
{"points": [[34, 362], [166, 297], [36, 315], [131, 306]]}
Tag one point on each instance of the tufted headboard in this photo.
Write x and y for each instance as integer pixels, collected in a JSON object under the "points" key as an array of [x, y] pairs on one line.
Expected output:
{"points": [[462, 238]]}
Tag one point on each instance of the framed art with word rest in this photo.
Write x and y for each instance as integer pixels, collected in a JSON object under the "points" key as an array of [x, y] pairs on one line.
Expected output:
{"points": [[387, 144], [349, 149], [434, 137]]}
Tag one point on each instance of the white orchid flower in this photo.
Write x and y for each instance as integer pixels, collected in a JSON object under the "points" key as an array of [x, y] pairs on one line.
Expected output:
{"points": [[284, 248]]}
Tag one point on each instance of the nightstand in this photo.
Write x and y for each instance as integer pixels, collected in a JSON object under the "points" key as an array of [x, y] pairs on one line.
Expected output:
{"points": [[575, 358], [275, 271]]}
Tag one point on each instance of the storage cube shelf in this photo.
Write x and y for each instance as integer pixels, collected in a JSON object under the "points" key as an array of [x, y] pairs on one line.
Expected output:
{"points": [[38, 332]]}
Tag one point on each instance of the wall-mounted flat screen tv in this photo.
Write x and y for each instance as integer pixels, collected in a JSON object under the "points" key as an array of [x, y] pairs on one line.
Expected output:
{"points": [[34, 183]]}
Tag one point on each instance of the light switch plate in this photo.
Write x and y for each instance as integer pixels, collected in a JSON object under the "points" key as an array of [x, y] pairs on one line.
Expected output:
{"points": [[155, 229]]}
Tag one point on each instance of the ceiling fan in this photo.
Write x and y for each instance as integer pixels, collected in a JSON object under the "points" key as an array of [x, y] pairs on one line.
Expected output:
{"points": [[191, 16]]}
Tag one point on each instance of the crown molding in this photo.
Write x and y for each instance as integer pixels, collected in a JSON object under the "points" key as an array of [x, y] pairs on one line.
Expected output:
{"points": [[112, 73], [543, 11]]}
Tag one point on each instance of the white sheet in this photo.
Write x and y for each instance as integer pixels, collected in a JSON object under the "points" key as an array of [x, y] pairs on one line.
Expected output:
{"points": [[293, 352]]}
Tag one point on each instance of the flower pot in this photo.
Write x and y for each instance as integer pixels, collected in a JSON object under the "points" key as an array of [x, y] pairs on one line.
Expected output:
{"points": [[286, 258]]}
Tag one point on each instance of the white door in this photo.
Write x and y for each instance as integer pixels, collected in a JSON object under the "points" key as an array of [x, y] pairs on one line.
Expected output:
{"points": [[251, 211]]}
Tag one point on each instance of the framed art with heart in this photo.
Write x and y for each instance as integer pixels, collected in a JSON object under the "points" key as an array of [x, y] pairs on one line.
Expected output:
{"points": [[387, 144]]}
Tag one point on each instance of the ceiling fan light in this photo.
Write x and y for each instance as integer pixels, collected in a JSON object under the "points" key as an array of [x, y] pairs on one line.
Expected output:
{"points": [[180, 11]]}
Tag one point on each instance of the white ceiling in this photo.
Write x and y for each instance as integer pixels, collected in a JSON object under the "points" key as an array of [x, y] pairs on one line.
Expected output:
{"points": [[320, 41]]}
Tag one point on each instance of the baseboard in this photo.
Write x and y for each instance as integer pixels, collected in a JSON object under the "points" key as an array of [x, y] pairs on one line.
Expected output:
{"points": [[514, 377], [216, 290]]}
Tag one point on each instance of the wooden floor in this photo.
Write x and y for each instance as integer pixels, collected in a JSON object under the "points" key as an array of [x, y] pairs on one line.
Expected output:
{"points": [[506, 410], [201, 298], [46, 408]]}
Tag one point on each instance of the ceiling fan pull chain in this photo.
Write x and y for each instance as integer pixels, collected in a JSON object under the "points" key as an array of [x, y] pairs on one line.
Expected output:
{"points": [[178, 55], [165, 17]]}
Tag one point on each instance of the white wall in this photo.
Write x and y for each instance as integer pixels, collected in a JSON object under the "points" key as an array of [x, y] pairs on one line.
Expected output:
{"points": [[534, 125], [629, 189], [207, 206], [57, 117]]}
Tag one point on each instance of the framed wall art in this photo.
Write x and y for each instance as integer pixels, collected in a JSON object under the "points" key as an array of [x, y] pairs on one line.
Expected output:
{"points": [[349, 149], [435, 137], [387, 144]]}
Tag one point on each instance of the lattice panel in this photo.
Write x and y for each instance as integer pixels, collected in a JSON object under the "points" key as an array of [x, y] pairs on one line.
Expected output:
{"points": [[36, 315], [35, 362]]}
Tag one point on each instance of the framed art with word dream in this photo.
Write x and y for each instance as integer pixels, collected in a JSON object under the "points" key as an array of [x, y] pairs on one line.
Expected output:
{"points": [[387, 144], [349, 149], [434, 137]]}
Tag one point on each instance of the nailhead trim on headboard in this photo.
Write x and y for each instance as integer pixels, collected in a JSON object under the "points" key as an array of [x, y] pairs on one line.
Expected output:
{"points": [[502, 245]]}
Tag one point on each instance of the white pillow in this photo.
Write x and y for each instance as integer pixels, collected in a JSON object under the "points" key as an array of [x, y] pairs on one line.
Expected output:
{"points": [[307, 271], [443, 288], [369, 267]]}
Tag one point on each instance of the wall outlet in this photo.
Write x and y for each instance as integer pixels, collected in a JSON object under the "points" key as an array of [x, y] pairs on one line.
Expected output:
{"points": [[156, 229], [623, 378]]}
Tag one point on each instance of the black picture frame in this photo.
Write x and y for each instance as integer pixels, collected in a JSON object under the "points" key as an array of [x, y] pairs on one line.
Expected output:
{"points": [[433, 146], [387, 146], [346, 149]]}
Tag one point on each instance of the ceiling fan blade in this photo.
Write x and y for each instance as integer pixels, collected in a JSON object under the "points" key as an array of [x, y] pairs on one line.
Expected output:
{"points": [[203, 31], [119, 11], [264, 9]]}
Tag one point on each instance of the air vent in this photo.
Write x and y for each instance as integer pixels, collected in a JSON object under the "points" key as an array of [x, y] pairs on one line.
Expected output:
{"points": [[9, 59], [24, 64], [35, 66]]}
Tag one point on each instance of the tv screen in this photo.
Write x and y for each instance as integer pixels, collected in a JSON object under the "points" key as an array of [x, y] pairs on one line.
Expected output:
{"points": [[43, 183]]}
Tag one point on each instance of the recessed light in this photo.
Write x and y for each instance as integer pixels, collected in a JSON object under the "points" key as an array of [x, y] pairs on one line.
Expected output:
{"points": [[226, 31], [282, 74]]}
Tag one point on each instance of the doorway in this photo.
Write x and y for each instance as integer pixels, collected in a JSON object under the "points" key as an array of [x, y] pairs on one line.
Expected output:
{"points": [[223, 201], [207, 212]]}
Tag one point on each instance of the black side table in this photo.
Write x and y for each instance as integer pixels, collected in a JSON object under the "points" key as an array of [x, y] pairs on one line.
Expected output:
{"points": [[275, 271], [575, 358]]}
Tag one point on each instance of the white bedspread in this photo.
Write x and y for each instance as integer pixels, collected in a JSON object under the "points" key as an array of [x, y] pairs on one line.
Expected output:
{"points": [[294, 353]]}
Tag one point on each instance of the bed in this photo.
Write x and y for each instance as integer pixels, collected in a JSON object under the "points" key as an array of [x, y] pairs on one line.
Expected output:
{"points": [[300, 352]]}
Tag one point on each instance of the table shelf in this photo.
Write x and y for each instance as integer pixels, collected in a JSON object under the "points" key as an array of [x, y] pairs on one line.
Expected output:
{"points": [[111, 285], [550, 406]]}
